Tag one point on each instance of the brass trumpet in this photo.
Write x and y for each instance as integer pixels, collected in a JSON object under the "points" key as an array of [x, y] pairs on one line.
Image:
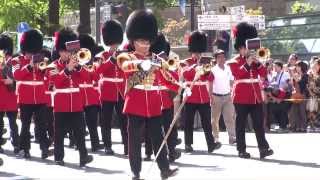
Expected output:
{"points": [[263, 53], [83, 56], [2, 57], [44, 65]]}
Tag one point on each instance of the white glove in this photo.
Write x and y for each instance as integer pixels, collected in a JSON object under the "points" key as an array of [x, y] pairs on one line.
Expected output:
{"points": [[187, 92], [145, 65]]}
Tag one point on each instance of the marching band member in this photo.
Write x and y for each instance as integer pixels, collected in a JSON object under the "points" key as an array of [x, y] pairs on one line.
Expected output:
{"points": [[200, 98], [8, 103], [167, 96], [68, 102], [31, 91], [90, 93], [112, 85], [142, 99], [246, 92]]}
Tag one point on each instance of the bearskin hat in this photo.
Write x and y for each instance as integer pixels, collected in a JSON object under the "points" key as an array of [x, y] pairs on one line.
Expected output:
{"points": [[197, 42], [160, 44], [112, 32], [142, 24], [86, 41], [63, 36], [6, 44], [242, 32], [31, 41]]}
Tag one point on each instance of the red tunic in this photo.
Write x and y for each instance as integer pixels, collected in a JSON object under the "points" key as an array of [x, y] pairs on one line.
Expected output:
{"points": [[67, 93], [30, 84], [8, 97], [112, 82], [200, 94], [144, 99], [166, 99], [246, 88], [89, 89]]}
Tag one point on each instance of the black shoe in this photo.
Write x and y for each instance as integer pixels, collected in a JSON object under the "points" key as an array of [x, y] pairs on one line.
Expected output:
{"points": [[44, 154], [1, 150], [3, 141], [188, 148], [27, 155], [178, 141], [174, 155], [147, 158], [108, 151], [97, 148], [125, 151], [136, 176], [60, 163], [16, 150], [244, 155], [265, 152], [168, 173], [4, 131], [87, 160], [215, 146], [72, 144]]}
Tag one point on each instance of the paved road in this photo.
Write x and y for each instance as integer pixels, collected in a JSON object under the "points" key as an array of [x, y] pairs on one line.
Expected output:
{"points": [[297, 156]]}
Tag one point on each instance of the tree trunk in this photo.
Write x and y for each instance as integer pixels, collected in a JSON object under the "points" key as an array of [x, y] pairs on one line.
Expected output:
{"points": [[53, 16], [84, 26]]}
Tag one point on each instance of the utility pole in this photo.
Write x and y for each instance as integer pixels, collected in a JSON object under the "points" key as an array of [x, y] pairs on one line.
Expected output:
{"points": [[98, 4]]}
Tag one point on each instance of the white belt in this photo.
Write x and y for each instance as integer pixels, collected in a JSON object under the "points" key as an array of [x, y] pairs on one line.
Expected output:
{"points": [[247, 81], [197, 83], [112, 79], [86, 85], [49, 92], [147, 87], [31, 83], [163, 88], [67, 90]]}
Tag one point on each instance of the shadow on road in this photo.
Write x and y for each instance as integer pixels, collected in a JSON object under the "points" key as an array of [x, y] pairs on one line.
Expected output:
{"points": [[13, 176]]}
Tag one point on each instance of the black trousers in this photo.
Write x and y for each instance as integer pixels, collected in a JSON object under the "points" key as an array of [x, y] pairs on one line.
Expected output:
{"points": [[255, 111], [64, 121], [50, 119], [91, 116], [166, 120], [107, 111], [205, 115], [26, 112], [14, 131], [153, 126], [279, 112]]}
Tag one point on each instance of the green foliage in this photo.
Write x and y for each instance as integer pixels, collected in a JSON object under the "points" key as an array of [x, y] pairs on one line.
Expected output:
{"points": [[300, 7], [257, 11], [35, 13]]}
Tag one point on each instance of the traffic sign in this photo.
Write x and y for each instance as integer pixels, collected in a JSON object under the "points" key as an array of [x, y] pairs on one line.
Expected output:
{"points": [[23, 27]]}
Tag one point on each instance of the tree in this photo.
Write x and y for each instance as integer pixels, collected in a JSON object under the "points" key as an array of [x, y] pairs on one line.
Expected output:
{"points": [[300, 7], [84, 26], [35, 13], [53, 16]]}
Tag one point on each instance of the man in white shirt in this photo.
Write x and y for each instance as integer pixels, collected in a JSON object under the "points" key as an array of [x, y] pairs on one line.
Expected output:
{"points": [[222, 103]]}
